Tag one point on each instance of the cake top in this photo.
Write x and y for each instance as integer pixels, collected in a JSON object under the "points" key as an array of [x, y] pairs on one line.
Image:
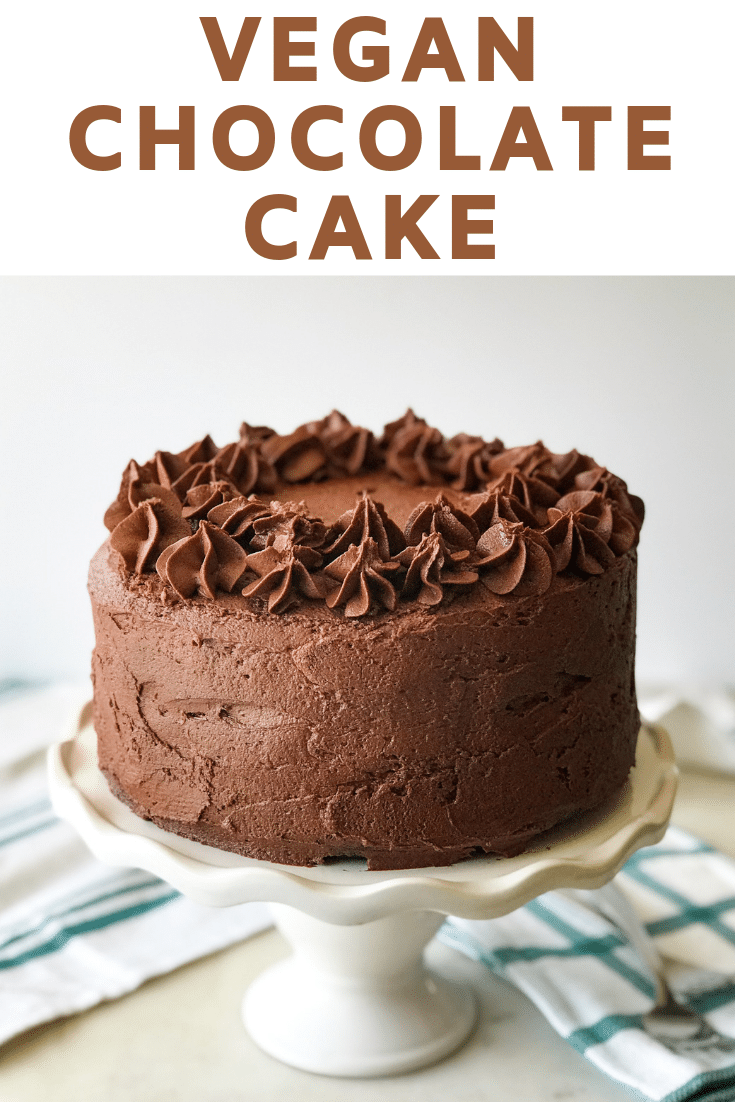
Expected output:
{"points": [[334, 514]]}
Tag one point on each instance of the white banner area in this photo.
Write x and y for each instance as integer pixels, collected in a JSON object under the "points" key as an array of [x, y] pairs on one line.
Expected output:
{"points": [[164, 137]]}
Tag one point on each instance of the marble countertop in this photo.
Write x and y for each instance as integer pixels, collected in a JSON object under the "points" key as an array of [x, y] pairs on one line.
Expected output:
{"points": [[179, 1038]]}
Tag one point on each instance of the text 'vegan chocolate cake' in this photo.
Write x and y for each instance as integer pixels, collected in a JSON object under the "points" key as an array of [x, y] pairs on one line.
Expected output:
{"points": [[409, 648]]}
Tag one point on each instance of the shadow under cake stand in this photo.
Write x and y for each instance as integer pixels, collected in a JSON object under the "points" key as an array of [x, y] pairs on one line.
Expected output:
{"points": [[356, 997]]}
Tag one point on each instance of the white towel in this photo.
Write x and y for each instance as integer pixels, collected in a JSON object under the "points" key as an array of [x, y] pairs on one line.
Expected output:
{"points": [[74, 932], [700, 720]]}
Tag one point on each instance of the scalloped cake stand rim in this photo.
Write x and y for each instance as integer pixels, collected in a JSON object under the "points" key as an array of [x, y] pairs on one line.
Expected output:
{"points": [[584, 854]]}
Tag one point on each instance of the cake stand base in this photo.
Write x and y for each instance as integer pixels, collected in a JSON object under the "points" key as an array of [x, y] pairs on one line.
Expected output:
{"points": [[356, 998], [357, 1001]]}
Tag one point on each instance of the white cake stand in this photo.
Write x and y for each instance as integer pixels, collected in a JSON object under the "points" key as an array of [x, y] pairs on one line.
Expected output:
{"points": [[356, 998]]}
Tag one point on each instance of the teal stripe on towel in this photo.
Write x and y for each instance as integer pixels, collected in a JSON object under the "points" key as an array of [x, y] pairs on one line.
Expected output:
{"points": [[100, 923], [602, 1031], [26, 833], [584, 946], [81, 906], [24, 812]]}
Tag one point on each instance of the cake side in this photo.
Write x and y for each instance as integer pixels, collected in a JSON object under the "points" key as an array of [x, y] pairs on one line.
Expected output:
{"points": [[411, 739]]}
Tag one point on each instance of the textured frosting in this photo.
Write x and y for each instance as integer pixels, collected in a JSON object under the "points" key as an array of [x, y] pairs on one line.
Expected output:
{"points": [[406, 648], [515, 514]]}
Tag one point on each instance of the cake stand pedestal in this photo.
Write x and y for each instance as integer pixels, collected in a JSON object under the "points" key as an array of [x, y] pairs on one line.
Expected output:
{"points": [[356, 997]]}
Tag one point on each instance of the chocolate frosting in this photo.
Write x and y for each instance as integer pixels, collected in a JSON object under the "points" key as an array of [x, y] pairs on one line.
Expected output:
{"points": [[368, 519], [525, 459], [202, 563], [142, 535], [536, 460], [138, 484], [469, 463], [613, 526], [283, 571], [539, 511], [255, 434], [202, 474], [201, 499], [246, 467], [584, 530], [297, 457], [414, 451], [533, 493], [364, 577], [494, 505], [515, 559], [287, 523], [238, 515], [457, 529], [203, 451], [610, 486], [431, 565], [349, 448]]}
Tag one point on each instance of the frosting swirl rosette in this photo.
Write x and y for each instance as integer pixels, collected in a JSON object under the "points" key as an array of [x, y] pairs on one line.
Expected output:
{"points": [[587, 530], [611, 486], [297, 457], [246, 467], [138, 484], [515, 559], [255, 434], [494, 505], [534, 494], [457, 529], [368, 519], [469, 463], [414, 451], [238, 515], [537, 461], [201, 499], [142, 535], [284, 571], [202, 451], [430, 565], [364, 579], [202, 563], [349, 448]]}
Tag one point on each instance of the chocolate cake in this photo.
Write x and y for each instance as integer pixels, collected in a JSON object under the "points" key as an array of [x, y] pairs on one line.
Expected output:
{"points": [[406, 648]]}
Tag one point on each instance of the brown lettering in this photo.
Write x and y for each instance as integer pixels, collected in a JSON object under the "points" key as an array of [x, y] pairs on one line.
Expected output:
{"points": [[78, 138], [398, 226], [433, 32], [638, 138], [254, 227], [377, 55], [463, 226], [150, 138], [266, 138], [521, 119], [368, 142], [340, 209], [300, 138], [449, 159], [491, 39], [284, 49], [230, 66], [586, 117]]}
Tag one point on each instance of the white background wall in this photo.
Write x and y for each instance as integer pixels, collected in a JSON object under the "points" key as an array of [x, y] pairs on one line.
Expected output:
{"points": [[638, 372]]}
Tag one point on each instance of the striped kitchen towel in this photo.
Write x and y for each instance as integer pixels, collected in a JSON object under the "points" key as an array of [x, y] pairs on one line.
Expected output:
{"points": [[598, 992], [73, 931]]}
